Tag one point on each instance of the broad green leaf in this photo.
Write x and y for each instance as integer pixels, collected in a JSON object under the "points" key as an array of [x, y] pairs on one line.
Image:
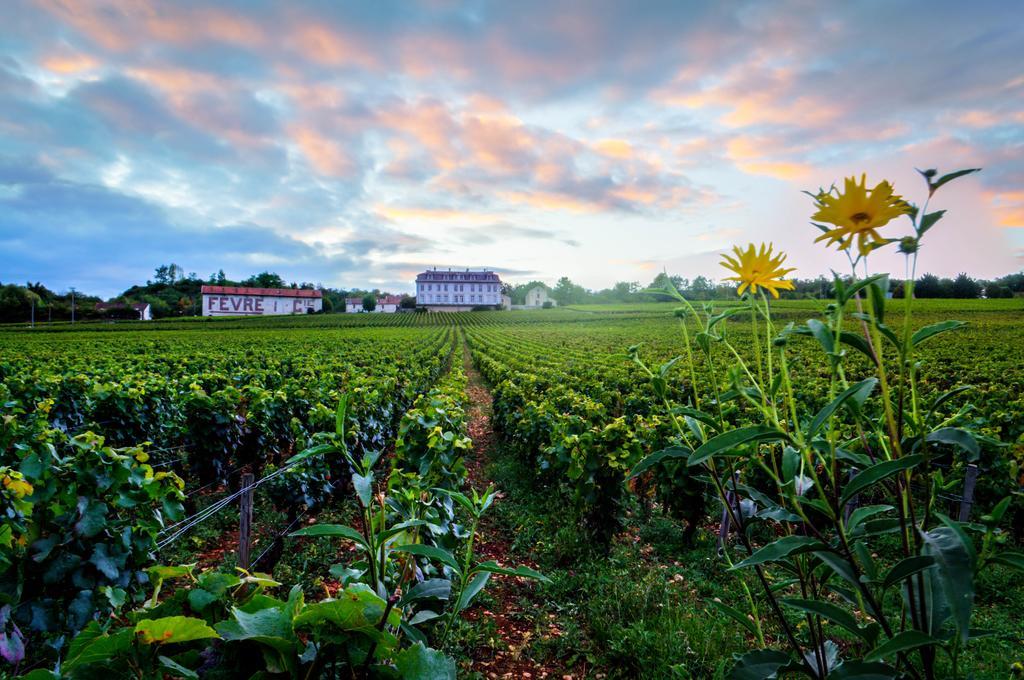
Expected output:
{"points": [[657, 457], [431, 552], [356, 607], [908, 639], [827, 610], [92, 645], [339, 417], [1011, 558], [877, 473], [525, 572], [956, 437], [419, 662], [318, 450], [735, 615], [364, 488], [934, 329], [171, 629], [858, 393], [780, 549], [863, 512], [823, 335], [473, 588], [906, 568], [928, 221], [432, 588], [176, 669], [955, 574], [863, 670], [332, 530], [761, 664], [734, 438]]}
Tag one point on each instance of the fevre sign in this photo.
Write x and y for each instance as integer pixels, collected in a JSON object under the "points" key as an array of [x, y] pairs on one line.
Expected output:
{"points": [[239, 301]]}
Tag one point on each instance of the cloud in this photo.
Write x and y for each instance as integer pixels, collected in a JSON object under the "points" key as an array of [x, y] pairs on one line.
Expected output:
{"points": [[352, 139]]}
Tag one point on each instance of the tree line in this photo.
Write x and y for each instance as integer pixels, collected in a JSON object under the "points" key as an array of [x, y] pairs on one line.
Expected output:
{"points": [[566, 292], [172, 292]]}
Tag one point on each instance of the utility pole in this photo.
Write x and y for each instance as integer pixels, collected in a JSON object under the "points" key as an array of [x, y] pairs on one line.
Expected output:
{"points": [[33, 322], [72, 305]]}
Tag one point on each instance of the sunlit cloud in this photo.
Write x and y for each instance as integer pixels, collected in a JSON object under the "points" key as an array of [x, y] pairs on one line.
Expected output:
{"points": [[352, 142]]}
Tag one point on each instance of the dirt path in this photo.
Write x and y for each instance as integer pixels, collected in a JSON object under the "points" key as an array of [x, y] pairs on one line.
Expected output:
{"points": [[514, 622]]}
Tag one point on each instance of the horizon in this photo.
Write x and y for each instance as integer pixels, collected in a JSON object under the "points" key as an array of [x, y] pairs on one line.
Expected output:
{"points": [[354, 145]]}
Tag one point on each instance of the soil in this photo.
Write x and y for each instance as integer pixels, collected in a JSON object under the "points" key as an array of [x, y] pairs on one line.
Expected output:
{"points": [[512, 611]]}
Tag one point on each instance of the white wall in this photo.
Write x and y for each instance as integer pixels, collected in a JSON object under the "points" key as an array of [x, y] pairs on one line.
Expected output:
{"points": [[216, 304]]}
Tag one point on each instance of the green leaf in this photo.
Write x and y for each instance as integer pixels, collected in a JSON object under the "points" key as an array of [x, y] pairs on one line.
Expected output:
{"points": [[934, 329], [863, 512], [356, 607], [933, 186], [735, 615], [172, 629], [199, 599], [431, 552], [339, 418], [473, 588], [364, 488], [862, 670], [822, 334], [92, 645], [928, 221], [955, 573], [1011, 558], [318, 450], [956, 437], [432, 588], [524, 572], [92, 517], [761, 664], [176, 669], [419, 662], [780, 549], [107, 565], [858, 393], [734, 438], [908, 639], [877, 473], [906, 568], [333, 530], [657, 457], [829, 611]]}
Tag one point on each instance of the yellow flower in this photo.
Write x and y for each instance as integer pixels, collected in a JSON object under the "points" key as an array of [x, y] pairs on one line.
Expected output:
{"points": [[17, 486], [757, 268], [857, 212]]}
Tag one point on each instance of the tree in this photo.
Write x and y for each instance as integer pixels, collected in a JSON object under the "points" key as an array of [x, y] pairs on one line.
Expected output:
{"points": [[407, 302], [369, 303], [928, 286], [167, 274], [568, 293], [265, 279], [964, 287]]}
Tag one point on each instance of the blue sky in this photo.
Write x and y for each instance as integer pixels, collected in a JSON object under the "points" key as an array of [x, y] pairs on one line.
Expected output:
{"points": [[354, 144]]}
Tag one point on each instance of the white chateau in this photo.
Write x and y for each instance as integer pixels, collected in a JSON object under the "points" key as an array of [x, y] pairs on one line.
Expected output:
{"points": [[438, 290]]}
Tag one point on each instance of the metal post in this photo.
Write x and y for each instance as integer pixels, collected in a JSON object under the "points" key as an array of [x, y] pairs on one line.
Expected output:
{"points": [[245, 521], [968, 498]]}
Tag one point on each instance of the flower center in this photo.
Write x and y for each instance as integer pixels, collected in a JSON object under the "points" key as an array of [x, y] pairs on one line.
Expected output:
{"points": [[860, 217]]}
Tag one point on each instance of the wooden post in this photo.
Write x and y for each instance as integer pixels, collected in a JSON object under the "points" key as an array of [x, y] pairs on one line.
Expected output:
{"points": [[723, 526], [968, 498], [245, 521]]}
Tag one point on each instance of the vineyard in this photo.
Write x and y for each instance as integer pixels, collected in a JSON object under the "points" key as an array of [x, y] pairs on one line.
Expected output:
{"points": [[376, 547]]}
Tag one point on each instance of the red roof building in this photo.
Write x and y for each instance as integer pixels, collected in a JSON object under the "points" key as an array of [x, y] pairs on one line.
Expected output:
{"points": [[244, 301]]}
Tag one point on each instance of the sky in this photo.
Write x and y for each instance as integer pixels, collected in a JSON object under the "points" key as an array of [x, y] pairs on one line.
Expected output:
{"points": [[354, 144]]}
